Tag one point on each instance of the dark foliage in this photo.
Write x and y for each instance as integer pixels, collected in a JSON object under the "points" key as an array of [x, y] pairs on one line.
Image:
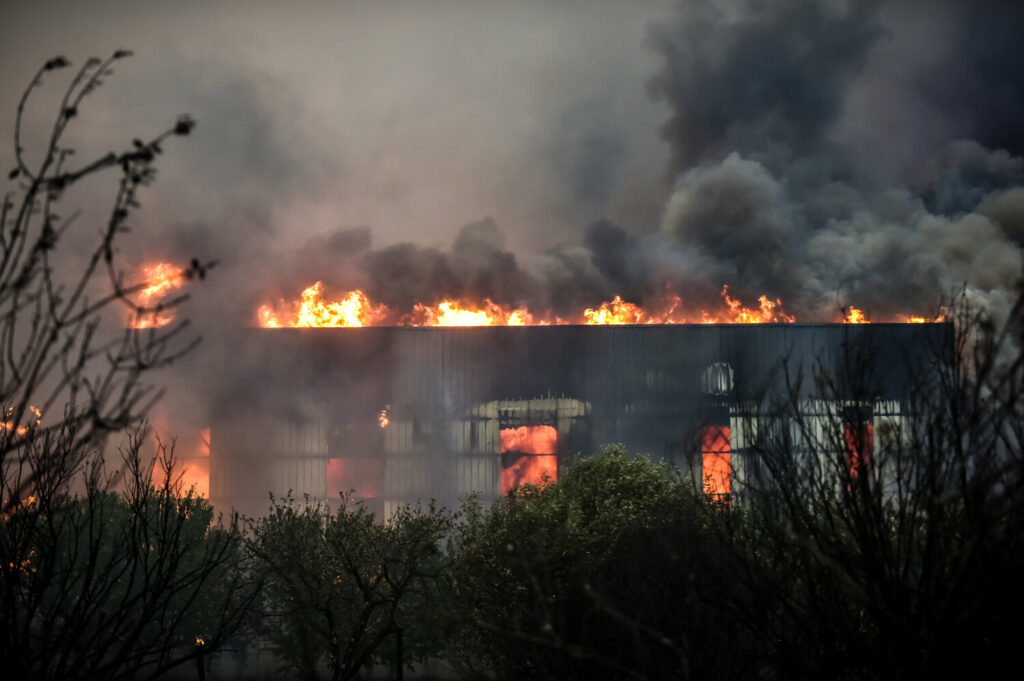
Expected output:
{"points": [[337, 585], [619, 570], [105, 585]]}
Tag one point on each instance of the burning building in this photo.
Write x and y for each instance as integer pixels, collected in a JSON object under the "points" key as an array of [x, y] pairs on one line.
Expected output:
{"points": [[400, 414]]}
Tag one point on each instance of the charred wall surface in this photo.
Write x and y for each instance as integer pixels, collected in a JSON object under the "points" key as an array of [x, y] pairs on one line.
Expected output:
{"points": [[400, 414]]}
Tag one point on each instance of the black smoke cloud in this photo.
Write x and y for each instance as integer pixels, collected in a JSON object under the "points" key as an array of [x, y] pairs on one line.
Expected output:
{"points": [[758, 79], [771, 185], [827, 152], [476, 266], [769, 192], [770, 197], [974, 84], [963, 173]]}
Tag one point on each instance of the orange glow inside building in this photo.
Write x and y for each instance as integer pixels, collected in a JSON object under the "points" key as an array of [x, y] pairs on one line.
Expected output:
{"points": [[363, 475], [528, 456], [191, 454], [859, 445], [716, 461]]}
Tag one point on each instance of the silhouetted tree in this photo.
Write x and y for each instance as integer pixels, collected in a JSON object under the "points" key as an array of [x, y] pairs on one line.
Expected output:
{"points": [[118, 585], [903, 564], [336, 585], [62, 370], [621, 569], [102, 575]]}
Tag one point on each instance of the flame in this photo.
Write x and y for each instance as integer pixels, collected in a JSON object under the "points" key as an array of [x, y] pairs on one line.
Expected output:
{"points": [[529, 440], [528, 456], [383, 419], [859, 446], [24, 565], [160, 279], [268, 318], [191, 454], [9, 425], [716, 461], [449, 313], [454, 312], [855, 316], [766, 312], [617, 311], [919, 319], [355, 309], [529, 470], [520, 318], [194, 475]]}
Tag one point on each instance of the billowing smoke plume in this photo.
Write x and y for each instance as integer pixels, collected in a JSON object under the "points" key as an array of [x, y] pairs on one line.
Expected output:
{"points": [[766, 80], [825, 153], [777, 189]]}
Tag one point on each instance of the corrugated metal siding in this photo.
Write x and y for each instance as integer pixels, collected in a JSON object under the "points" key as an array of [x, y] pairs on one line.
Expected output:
{"points": [[642, 385]]}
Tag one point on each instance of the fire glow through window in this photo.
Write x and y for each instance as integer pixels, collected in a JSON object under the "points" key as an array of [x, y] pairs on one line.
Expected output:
{"points": [[716, 461], [365, 476], [859, 445], [528, 456]]}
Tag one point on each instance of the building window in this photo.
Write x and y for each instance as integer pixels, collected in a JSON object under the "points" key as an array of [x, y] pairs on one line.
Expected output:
{"points": [[716, 461], [717, 379], [528, 456], [860, 441]]}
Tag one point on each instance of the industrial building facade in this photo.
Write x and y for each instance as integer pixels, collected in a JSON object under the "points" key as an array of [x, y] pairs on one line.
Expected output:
{"points": [[400, 414]]}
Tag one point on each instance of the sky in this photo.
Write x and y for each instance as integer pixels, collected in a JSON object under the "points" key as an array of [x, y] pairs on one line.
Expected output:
{"points": [[556, 154]]}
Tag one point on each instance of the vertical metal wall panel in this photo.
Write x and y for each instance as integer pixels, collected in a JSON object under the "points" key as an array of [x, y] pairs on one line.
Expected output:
{"points": [[406, 478], [477, 473]]}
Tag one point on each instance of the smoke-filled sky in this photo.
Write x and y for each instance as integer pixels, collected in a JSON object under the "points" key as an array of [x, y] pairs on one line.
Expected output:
{"points": [[555, 154]]}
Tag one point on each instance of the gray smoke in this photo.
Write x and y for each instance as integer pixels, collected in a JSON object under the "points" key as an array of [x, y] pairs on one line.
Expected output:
{"points": [[819, 152], [774, 190], [762, 79], [826, 152]]}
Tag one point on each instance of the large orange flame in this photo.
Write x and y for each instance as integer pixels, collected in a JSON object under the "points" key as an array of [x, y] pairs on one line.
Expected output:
{"points": [[855, 316], [355, 308], [616, 311], [530, 440], [529, 456], [716, 461], [459, 313], [764, 314], [159, 279]]}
